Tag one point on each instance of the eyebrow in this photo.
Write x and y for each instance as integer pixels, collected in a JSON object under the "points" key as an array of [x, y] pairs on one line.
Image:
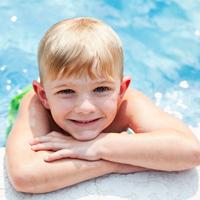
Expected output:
{"points": [[72, 84]]}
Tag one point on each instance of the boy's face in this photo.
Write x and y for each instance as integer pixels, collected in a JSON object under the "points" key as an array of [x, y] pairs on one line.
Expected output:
{"points": [[83, 107]]}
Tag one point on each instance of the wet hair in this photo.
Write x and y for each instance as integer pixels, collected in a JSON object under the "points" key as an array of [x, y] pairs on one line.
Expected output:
{"points": [[80, 46]]}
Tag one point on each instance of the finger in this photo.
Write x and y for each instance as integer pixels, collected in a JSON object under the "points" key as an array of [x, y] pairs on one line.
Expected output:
{"points": [[58, 135], [34, 141], [44, 139], [64, 153], [38, 140], [53, 146]]}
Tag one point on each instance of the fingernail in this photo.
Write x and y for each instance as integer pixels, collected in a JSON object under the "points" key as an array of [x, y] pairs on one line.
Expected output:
{"points": [[34, 141]]}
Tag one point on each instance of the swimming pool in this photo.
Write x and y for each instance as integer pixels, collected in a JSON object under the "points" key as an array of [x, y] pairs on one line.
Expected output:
{"points": [[161, 41]]}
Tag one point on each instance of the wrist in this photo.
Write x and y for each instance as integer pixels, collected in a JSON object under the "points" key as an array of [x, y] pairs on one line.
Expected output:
{"points": [[113, 147], [106, 144], [101, 147]]}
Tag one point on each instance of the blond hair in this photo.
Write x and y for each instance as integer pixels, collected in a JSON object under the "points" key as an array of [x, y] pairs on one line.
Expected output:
{"points": [[80, 46]]}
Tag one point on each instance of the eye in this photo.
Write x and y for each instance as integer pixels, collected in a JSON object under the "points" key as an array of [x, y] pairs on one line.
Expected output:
{"points": [[102, 89], [66, 91]]}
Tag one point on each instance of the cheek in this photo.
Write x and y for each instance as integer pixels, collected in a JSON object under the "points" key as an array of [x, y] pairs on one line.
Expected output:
{"points": [[60, 107], [110, 105]]}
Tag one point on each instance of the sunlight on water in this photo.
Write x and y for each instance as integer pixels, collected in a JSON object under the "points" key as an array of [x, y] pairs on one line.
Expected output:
{"points": [[161, 41]]}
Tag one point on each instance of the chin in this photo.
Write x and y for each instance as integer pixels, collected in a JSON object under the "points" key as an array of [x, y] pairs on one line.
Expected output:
{"points": [[87, 135]]}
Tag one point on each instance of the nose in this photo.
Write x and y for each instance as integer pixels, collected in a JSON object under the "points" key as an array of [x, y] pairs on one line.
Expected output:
{"points": [[85, 106]]}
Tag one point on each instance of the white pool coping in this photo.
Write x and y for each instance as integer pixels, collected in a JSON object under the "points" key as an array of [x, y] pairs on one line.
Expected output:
{"points": [[138, 186], [183, 185]]}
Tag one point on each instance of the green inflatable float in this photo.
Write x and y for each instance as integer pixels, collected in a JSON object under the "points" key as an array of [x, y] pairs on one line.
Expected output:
{"points": [[13, 108]]}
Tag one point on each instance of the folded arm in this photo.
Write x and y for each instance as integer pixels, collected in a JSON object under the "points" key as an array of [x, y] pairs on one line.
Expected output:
{"points": [[168, 152], [161, 142], [27, 169], [164, 150]]}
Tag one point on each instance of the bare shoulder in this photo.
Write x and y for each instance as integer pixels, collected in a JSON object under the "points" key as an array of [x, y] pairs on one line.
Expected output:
{"points": [[131, 112], [31, 118], [145, 116], [138, 102], [30, 122], [135, 95]]}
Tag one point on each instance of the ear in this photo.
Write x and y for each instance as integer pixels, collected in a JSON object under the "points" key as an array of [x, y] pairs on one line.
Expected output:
{"points": [[124, 86], [40, 92]]}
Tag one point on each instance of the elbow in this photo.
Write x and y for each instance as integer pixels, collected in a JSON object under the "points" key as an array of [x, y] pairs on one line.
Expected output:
{"points": [[23, 181], [187, 159], [196, 155], [29, 180], [19, 184], [192, 158], [20, 181]]}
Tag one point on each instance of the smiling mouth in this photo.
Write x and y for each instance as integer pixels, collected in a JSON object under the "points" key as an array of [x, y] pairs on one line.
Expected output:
{"points": [[84, 122]]}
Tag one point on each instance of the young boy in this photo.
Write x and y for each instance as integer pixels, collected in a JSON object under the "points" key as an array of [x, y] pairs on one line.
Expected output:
{"points": [[66, 132]]}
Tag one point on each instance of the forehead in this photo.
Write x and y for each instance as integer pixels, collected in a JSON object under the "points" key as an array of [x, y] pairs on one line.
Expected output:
{"points": [[79, 82]]}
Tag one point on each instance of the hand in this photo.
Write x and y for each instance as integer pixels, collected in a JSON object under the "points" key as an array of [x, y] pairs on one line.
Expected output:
{"points": [[66, 147]]}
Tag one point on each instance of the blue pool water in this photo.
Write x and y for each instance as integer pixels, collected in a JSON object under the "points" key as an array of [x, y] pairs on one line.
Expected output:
{"points": [[161, 42]]}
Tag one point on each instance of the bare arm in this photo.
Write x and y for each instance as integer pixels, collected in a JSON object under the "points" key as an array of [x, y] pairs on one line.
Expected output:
{"points": [[27, 169], [161, 141], [164, 150], [170, 152]]}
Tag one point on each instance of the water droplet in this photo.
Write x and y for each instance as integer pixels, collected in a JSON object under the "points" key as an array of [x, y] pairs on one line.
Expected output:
{"points": [[8, 87], [8, 81], [3, 68], [24, 70], [197, 33], [184, 84], [13, 18]]}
